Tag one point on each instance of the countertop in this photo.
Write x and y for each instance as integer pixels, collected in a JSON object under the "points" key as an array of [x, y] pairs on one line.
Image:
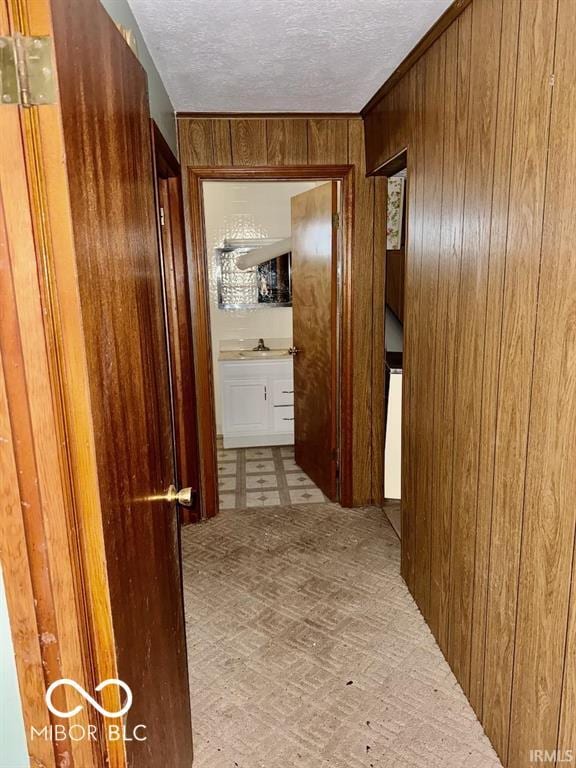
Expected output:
{"points": [[248, 355]]}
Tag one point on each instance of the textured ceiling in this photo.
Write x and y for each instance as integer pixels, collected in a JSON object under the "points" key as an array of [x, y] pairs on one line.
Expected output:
{"points": [[280, 55]]}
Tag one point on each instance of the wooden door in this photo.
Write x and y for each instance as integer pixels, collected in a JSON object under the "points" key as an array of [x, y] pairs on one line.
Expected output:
{"points": [[172, 239], [108, 156], [314, 306]]}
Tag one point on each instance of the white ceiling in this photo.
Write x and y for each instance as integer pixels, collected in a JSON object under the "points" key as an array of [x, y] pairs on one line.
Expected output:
{"points": [[280, 55]]}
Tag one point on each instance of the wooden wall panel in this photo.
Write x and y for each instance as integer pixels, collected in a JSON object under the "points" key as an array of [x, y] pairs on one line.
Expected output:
{"points": [[469, 348], [222, 142], [455, 131], [547, 544], [490, 378], [526, 203], [248, 142], [292, 141], [327, 142], [196, 145], [360, 336], [287, 142], [432, 115], [490, 365]]}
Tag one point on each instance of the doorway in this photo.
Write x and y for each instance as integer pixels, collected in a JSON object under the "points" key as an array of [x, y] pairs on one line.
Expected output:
{"points": [[396, 237], [267, 437], [250, 264]]}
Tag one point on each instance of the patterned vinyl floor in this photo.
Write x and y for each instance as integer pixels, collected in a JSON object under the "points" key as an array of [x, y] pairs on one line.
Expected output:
{"points": [[307, 651], [262, 477]]}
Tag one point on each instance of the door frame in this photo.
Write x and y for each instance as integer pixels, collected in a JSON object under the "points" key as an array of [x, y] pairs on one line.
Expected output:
{"points": [[199, 293], [53, 560], [177, 311]]}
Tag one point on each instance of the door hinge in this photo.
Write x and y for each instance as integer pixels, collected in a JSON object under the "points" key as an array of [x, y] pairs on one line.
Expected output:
{"points": [[336, 220], [27, 75], [162, 216]]}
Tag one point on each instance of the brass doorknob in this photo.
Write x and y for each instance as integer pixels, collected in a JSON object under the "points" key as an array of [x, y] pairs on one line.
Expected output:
{"points": [[293, 351], [186, 497]]}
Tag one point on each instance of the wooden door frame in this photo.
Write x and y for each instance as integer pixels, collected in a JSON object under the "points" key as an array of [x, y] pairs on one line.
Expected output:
{"points": [[176, 293], [200, 295], [379, 370], [54, 565]]}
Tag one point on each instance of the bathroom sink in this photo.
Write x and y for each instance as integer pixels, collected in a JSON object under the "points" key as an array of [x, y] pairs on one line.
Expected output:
{"points": [[254, 353]]}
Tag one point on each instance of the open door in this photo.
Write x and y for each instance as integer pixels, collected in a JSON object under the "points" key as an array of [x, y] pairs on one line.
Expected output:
{"points": [[314, 306], [91, 187], [172, 240]]}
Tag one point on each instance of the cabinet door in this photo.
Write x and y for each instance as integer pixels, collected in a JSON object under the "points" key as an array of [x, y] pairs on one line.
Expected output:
{"points": [[245, 406]]}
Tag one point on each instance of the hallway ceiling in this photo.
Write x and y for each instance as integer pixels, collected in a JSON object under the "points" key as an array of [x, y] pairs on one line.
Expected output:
{"points": [[280, 55]]}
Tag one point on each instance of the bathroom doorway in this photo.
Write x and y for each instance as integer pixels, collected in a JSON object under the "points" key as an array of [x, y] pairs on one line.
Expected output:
{"points": [[273, 257], [249, 257]]}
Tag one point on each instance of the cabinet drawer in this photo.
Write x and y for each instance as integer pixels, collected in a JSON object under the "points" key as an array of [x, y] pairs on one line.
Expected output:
{"points": [[283, 392], [284, 418]]}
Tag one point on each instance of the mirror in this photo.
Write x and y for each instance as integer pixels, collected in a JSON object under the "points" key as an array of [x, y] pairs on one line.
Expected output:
{"points": [[265, 285]]}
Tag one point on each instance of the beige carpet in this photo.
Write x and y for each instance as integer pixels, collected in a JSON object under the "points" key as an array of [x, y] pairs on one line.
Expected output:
{"points": [[307, 651]]}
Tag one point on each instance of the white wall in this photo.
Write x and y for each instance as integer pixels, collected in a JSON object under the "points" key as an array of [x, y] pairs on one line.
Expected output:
{"points": [[246, 210], [161, 108], [13, 749]]}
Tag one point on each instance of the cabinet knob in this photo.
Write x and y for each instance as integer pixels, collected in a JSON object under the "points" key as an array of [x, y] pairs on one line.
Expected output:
{"points": [[293, 351]]}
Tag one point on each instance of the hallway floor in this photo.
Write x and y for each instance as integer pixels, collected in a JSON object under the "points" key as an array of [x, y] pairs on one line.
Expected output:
{"points": [[263, 477], [307, 651]]}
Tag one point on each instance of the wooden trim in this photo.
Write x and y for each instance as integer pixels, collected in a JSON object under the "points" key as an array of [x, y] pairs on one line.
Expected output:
{"points": [[269, 115], [199, 292], [272, 172], [379, 380], [449, 15], [391, 166]]}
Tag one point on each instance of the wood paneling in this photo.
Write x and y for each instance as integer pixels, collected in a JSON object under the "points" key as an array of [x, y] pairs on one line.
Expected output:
{"points": [[359, 334], [196, 145], [328, 141], [490, 358], [493, 330], [248, 142], [469, 348], [286, 142], [545, 650], [524, 241], [395, 280], [222, 140]]}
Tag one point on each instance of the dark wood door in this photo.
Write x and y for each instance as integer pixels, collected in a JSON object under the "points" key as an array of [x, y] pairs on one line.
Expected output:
{"points": [[104, 103], [314, 302]]}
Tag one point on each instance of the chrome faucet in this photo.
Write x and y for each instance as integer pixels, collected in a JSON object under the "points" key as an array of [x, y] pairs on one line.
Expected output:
{"points": [[261, 347]]}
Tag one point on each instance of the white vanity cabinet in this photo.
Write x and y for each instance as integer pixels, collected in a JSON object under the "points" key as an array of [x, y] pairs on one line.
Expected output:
{"points": [[257, 402]]}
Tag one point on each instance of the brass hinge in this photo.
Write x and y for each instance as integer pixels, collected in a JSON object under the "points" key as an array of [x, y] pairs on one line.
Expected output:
{"points": [[336, 220], [27, 75], [162, 222]]}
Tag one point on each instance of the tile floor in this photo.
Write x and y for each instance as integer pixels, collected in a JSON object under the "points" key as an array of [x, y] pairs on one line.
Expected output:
{"points": [[306, 649], [263, 477]]}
